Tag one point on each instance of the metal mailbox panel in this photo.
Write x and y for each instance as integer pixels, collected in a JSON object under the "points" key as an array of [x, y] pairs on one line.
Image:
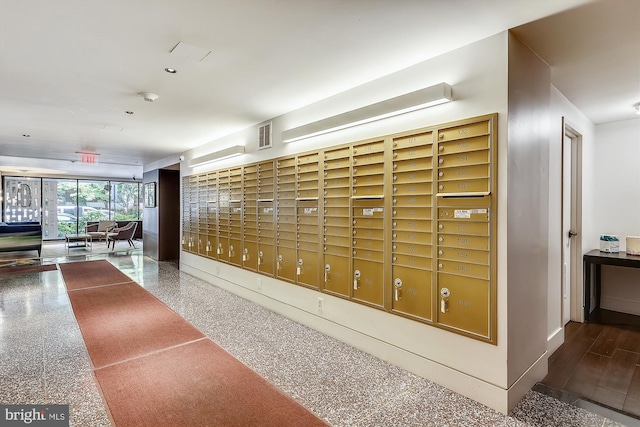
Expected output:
{"points": [[341, 211], [411, 237], [464, 159], [265, 166], [308, 272], [336, 275], [364, 222], [343, 240], [286, 203], [284, 178], [463, 241], [367, 210], [286, 264], [337, 231], [308, 194], [308, 167], [464, 269], [464, 186], [464, 131], [337, 182], [291, 161], [309, 238], [369, 287], [412, 292], [337, 221], [265, 240], [250, 217], [465, 255], [412, 225], [337, 173], [338, 192], [308, 158], [266, 180], [413, 140], [467, 307], [369, 190], [377, 179], [413, 152], [366, 244], [412, 189], [235, 252], [286, 219], [425, 163], [337, 201], [463, 145], [343, 251], [464, 213], [464, 227], [308, 185], [414, 200], [286, 226], [464, 172], [286, 243], [412, 261], [415, 212], [421, 250], [366, 254], [410, 177], [369, 147], [286, 235], [337, 164], [337, 154], [376, 168], [376, 160], [308, 219], [309, 176], [369, 233], [265, 258]]}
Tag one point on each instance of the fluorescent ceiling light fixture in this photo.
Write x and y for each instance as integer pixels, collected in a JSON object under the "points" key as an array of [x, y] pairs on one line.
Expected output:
{"points": [[423, 98], [236, 150]]}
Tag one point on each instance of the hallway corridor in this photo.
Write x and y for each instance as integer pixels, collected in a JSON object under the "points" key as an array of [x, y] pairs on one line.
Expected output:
{"points": [[44, 359]]}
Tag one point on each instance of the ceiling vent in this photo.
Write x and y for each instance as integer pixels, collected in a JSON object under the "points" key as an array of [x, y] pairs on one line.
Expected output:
{"points": [[264, 140]]}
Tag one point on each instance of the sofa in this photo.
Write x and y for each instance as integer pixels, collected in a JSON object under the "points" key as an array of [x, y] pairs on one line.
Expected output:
{"points": [[20, 236]]}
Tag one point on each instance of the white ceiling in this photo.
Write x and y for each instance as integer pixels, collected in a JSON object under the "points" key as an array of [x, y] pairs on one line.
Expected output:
{"points": [[69, 69]]}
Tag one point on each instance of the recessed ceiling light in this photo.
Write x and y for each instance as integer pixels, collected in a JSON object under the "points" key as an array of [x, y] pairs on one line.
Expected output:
{"points": [[637, 107], [171, 70], [129, 112], [26, 135]]}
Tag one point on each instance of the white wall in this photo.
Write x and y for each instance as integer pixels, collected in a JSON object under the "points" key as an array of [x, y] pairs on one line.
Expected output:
{"points": [[478, 74], [561, 107], [617, 209]]}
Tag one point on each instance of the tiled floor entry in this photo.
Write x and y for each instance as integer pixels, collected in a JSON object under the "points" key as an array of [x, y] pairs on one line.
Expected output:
{"points": [[43, 358]]}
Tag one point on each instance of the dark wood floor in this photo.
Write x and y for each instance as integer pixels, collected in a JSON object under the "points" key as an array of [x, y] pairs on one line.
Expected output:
{"points": [[600, 362]]}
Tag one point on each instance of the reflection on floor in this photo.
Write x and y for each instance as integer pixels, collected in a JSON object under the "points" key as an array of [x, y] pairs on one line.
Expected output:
{"points": [[600, 362], [44, 358]]}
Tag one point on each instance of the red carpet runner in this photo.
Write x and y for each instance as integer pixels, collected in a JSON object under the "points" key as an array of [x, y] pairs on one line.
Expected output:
{"points": [[155, 369]]}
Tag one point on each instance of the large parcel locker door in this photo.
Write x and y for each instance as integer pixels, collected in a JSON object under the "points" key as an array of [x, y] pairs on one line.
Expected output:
{"points": [[235, 233], [412, 223]]}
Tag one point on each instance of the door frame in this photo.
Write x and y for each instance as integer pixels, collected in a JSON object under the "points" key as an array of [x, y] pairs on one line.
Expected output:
{"points": [[576, 291]]}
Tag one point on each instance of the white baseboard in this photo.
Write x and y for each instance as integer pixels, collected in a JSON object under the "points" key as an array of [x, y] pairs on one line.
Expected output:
{"points": [[555, 340], [621, 305]]}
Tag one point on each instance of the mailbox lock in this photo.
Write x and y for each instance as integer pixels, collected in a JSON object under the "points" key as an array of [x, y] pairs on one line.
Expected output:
{"points": [[300, 262], [260, 254], [356, 279], [279, 261], [444, 300], [245, 256], [397, 284], [327, 269]]}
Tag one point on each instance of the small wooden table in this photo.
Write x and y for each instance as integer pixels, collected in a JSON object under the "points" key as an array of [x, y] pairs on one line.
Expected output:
{"points": [[79, 241], [596, 259]]}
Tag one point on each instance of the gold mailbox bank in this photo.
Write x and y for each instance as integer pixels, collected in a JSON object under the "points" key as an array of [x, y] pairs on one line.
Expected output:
{"points": [[404, 223]]}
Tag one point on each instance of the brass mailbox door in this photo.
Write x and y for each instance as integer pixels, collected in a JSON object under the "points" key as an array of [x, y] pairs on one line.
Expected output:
{"points": [[412, 292], [307, 268], [337, 279], [368, 281], [464, 304], [286, 262], [265, 252], [250, 254]]}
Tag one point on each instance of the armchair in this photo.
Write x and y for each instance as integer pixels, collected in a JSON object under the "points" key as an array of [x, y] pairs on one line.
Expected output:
{"points": [[122, 233], [100, 230]]}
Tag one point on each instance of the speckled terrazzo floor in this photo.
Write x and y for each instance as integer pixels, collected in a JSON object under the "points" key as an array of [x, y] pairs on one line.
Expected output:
{"points": [[43, 358]]}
